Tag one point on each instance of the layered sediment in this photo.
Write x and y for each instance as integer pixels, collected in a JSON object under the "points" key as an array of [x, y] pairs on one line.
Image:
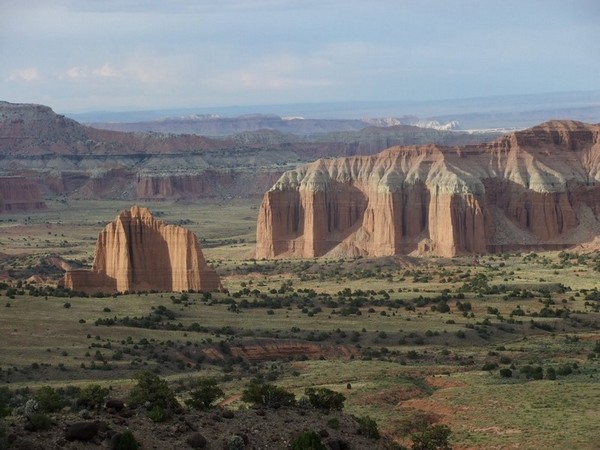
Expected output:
{"points": [[18, 194], [535, 188], [136, 252]]}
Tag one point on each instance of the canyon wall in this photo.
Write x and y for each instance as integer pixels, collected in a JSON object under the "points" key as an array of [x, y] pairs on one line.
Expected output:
{"points": [[18, 194], [539, 188], [135, 252], [81, 162]]}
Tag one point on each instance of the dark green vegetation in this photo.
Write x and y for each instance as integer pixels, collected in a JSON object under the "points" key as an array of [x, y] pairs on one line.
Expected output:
{"points": [[504, 349]]}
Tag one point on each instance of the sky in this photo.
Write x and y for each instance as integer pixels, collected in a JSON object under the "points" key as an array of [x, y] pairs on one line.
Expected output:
{"points": [[119, 55]]}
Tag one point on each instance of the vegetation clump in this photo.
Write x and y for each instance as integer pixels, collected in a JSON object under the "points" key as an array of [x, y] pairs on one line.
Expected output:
{"points": [[308, 440], [154, 393], [205, 392], [324, 398], [267, 395], [368, 427]]}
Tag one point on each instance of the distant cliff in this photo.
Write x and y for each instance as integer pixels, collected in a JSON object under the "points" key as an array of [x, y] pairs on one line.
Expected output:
{"points": [[67, 158], [135, 252], [18, 194], [537, 188]]}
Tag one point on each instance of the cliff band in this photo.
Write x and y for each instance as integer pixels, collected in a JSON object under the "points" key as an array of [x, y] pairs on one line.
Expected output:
{"points": [[537, 188], [135, 252], [19, 194]]}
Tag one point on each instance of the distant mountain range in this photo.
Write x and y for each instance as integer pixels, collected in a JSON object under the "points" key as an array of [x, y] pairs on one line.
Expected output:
{"points": [[65, 157], [502, 113]]}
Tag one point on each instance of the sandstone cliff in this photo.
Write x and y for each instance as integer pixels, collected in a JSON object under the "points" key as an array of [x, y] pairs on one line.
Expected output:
{"points": [[539, 188], [18, 194], [67, 158], [135, 252]]}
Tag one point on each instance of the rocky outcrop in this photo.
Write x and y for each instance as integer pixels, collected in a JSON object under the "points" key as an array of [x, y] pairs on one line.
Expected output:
{"points": [[136, 252], [18, 194], [539, 188], [67, 158], [204, 184]]}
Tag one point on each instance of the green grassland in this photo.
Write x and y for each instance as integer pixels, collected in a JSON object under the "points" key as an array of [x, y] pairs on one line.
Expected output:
{"points": [[408, 341]]}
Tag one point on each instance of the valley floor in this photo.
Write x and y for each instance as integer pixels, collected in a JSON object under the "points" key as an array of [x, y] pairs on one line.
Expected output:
{"points": [[504, 349]]}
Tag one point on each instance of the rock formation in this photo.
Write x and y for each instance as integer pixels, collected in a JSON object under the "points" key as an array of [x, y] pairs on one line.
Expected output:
{"points": [[68, 158], [18, 194], [135, 252], [538, 188]]}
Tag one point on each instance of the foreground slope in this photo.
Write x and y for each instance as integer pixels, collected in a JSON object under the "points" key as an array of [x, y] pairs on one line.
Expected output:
{"points": [[537, 188]]}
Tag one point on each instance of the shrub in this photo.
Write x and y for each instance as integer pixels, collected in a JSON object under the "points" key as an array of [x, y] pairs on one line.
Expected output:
{"points": [[333, 423], [505, 373], [205, 393], [39, 421], [127, 441], [367, 427], [323, 398], [48, 400], [92, 396], [158, 414], [154, 391], [434, 437], [236, 443], [5, 400], [537, 373], [564, 370], [268, 395], [489, 366], [4, 442], [309, 440], [551, 373]]}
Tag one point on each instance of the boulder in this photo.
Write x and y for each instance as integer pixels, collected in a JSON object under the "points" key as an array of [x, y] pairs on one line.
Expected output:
{"points": [[196, 440], [114, 404], [81, 431]]}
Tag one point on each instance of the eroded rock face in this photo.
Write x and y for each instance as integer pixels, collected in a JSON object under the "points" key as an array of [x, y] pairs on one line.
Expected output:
{"points": [[136, 252], [535, 188], [18, 194], [68, 158]]}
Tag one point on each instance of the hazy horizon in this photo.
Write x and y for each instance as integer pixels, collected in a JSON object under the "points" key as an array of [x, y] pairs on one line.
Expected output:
{"points": [[133, 55]]}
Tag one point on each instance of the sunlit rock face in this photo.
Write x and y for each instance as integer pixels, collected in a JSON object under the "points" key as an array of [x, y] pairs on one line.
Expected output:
{"points": [[537, 188], [136, 252]]}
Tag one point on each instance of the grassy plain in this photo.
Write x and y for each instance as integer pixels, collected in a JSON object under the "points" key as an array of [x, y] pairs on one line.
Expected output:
{"points": [[408, 341]]}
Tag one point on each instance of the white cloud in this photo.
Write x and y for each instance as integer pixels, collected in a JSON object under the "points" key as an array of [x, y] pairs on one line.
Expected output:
{"points": [[76, 72], [106, 71], [137, 70], [280, 72], [29, 74]]}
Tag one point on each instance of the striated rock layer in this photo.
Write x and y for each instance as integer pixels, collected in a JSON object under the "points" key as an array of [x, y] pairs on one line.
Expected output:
{"points": [[70, 159], [135, 252], [18, 194], [538, 188]]}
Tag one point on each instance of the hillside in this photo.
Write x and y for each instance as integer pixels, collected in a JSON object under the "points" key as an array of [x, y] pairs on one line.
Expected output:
{"points": [[66, 158]]}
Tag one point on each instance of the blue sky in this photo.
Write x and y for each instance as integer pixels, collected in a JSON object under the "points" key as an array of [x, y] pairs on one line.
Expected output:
{"points": [[83, 55]]}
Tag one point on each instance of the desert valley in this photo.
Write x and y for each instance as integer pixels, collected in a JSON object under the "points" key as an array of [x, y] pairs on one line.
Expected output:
{"points": [[274, 284]]}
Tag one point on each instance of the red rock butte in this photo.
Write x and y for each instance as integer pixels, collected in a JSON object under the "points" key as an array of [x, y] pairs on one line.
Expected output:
{"points": [[534, 189], [136, 252]]}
